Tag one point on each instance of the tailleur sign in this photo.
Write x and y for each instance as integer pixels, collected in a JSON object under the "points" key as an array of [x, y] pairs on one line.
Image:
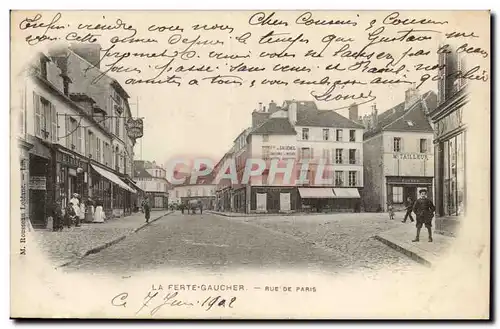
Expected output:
{"points": [[410, 156], [135, 128]]}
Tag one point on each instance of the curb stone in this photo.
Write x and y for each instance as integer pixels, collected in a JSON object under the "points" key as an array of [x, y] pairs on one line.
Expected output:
{"points": [[112, 242], [412, 255]]}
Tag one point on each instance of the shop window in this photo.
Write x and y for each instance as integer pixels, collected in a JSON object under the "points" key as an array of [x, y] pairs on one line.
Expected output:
{"points": [[352, 135], [338, 135], [397, 194], [326, 134], [423, 145], [305, 134], [397, 144]]}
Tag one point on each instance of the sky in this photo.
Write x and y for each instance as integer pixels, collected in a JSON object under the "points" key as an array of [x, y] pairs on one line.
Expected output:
{"points": [[196, 121]]}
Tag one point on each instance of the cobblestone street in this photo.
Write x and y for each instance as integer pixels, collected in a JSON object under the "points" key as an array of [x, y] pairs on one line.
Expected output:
{"points": [[325, 243]]}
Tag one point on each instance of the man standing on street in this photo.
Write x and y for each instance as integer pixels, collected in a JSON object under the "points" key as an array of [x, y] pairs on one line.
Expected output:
{"points": [[409, 208], [146, 207], [424, 210]]}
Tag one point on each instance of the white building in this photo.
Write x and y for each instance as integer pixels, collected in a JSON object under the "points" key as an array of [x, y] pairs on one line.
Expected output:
{"points": [[151, 178]]}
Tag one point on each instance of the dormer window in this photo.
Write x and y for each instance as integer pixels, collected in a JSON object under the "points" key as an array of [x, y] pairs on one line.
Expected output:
{"points": [[410, 123]]}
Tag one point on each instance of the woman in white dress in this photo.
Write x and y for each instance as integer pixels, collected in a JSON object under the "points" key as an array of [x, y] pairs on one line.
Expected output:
{"points": [[76, 207], [99, 212]]}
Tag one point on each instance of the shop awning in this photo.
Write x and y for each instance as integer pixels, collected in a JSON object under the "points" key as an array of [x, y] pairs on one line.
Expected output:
{"points": [[113, 178], [126, 179], [316, 193], [346, 193]]}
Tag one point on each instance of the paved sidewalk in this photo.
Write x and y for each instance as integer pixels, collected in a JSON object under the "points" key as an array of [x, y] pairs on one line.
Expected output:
{"points": [[75, 242], [423, 251], [239, 214]]}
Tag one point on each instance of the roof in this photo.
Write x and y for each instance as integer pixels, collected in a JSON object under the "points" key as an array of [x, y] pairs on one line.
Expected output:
{"points": [[275, 126], [140, 170], [413, 119], [309, 115]]}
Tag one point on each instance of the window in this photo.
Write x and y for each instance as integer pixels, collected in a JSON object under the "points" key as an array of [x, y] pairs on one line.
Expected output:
{"points": [[339, 178], [305, 153], [106, 154], [352, 156], [305, 134], [265, 138], [98, 150], [338, 135], [176, 194], [352, 135], [117, 126], [72, 133], [189, 192], [43, 67], [397, 194], [410, 123], [326, 134], [352, 178], [397, 144], [265, 152], [423, 145], [45, 119], [338, 155], [326, 155], [88, 144]]}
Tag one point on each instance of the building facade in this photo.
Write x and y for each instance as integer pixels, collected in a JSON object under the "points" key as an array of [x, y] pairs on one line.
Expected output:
{"points": [[151, 178], [398, 156], [450, 136], [68, 132], [298, 133], [203, 190]]}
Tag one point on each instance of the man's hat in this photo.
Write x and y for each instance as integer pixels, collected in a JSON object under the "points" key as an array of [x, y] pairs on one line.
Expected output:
{"points": [[423, 191]]}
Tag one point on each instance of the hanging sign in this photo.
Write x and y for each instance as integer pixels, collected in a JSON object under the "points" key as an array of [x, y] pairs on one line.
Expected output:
{"points": [[135, 128]]}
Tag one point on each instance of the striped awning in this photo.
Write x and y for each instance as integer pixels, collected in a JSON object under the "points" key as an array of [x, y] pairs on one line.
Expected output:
{"points": [[113, 178], [346, 193], [316, 193]]}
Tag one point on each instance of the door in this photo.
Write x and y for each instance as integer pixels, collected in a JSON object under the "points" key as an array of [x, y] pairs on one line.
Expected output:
{"points": [[261, 201], [285, 202]]}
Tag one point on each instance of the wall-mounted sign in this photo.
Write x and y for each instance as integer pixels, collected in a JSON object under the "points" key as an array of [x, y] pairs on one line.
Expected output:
{"points": [[135, 128], [282, 151], [410, 156], [449, 123], [38, 182]]}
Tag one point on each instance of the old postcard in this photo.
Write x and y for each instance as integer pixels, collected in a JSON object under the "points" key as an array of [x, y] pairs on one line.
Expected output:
{"points": [[250, 164]]}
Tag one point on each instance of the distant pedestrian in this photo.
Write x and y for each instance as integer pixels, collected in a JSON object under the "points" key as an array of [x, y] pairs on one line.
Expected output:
{"points": [[390, 210], [69, 215], [424, 210], [201, 208], [409, 209], [146, 208], [57, 216]]}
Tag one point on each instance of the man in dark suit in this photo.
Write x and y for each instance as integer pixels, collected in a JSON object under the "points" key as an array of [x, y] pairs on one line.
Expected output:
{"points": [[424, 210]]}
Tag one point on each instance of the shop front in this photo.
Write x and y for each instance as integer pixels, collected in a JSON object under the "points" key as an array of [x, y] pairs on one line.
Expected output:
{"points": [[327, 199], [110, 190], [72, 174], [265, 199], [399, 188], [450, 164]]}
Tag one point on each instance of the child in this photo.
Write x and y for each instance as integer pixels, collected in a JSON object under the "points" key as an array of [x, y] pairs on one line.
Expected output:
{"points": [[390, 209]]}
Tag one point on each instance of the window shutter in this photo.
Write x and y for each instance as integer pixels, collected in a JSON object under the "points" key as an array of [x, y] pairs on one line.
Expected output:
{"points": [[429, 145], [67, 131], [345, 155], [86, 138], [36, 106], [357, 157], [53, 119], [401, 144], [332, 155], [345, 175]]}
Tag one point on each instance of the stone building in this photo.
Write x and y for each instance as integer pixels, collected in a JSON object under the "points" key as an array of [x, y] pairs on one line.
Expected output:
{"points": [[398, 153]]}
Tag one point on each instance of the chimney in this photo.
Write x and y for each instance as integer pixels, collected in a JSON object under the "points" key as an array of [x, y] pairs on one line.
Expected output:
{"points": [[260, 106], [264, 109], [90, 52], [411, 96], [272, 107], [292, 112], [374, 120], [353, 112]]}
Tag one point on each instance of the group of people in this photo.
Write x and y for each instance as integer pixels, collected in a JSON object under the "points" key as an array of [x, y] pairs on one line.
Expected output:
{"points": [[191, 207], [76, 212], [423, 209]]}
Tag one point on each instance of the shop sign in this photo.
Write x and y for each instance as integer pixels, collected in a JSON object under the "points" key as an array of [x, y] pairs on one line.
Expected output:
{"points": [[38, 182], [449, 123], [409, 180], [282, 151], [135, 128], [411, 156]]}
